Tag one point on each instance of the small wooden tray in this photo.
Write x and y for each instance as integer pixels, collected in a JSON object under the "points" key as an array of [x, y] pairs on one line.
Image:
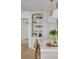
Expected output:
{"points": [[52, 45]]}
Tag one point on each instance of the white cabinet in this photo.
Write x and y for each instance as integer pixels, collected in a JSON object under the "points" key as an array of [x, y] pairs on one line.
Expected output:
{"points": [[49, 54]]}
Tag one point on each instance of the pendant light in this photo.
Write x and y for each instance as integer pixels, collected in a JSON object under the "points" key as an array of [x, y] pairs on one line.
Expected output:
{"points": [[54, 9], [51, 2]]}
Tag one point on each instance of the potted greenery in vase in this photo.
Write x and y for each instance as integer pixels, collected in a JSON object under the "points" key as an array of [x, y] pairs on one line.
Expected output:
{"points": [[54, 33], [53, 42]]}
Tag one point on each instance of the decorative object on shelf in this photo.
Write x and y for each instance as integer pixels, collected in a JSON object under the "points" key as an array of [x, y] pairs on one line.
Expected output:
{"points": [[53, 42], [39, 17], [35, 34], [37, 50], [34, 22], [40, 34], [38, 26]]}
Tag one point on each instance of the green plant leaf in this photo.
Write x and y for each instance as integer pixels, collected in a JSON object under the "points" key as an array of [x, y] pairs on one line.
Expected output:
{"points": [[53, 32]]}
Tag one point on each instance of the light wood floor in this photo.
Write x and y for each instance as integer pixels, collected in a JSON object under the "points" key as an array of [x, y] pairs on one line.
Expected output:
{"points": [[26, 53]]}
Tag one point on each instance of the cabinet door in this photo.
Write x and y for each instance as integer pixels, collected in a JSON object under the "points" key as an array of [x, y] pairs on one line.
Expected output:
{"points": [[49, 55]]}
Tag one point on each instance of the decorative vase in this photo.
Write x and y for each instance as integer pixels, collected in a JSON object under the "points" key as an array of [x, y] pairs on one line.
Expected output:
{"points": [[54, 38]]}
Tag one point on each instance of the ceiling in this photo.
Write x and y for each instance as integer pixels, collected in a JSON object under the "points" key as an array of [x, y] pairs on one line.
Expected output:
{"points": [[35, 5]]}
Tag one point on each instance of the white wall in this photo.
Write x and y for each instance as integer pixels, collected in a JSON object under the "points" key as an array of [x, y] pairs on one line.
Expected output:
{"points": [[25, 16]]}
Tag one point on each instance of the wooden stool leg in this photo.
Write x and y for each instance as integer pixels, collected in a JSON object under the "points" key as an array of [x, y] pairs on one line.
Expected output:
{"points": [[37, 50]]}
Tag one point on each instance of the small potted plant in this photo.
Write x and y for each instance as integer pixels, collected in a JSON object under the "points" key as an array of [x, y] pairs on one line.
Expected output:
{"points": [[53, 42], [54, 34]]}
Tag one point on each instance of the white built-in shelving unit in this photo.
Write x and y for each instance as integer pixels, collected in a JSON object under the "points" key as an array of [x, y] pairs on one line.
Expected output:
{"points": [[36, 28]]}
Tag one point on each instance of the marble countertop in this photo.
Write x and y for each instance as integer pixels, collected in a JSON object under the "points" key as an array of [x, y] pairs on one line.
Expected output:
{"points": [[44, 47]]}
